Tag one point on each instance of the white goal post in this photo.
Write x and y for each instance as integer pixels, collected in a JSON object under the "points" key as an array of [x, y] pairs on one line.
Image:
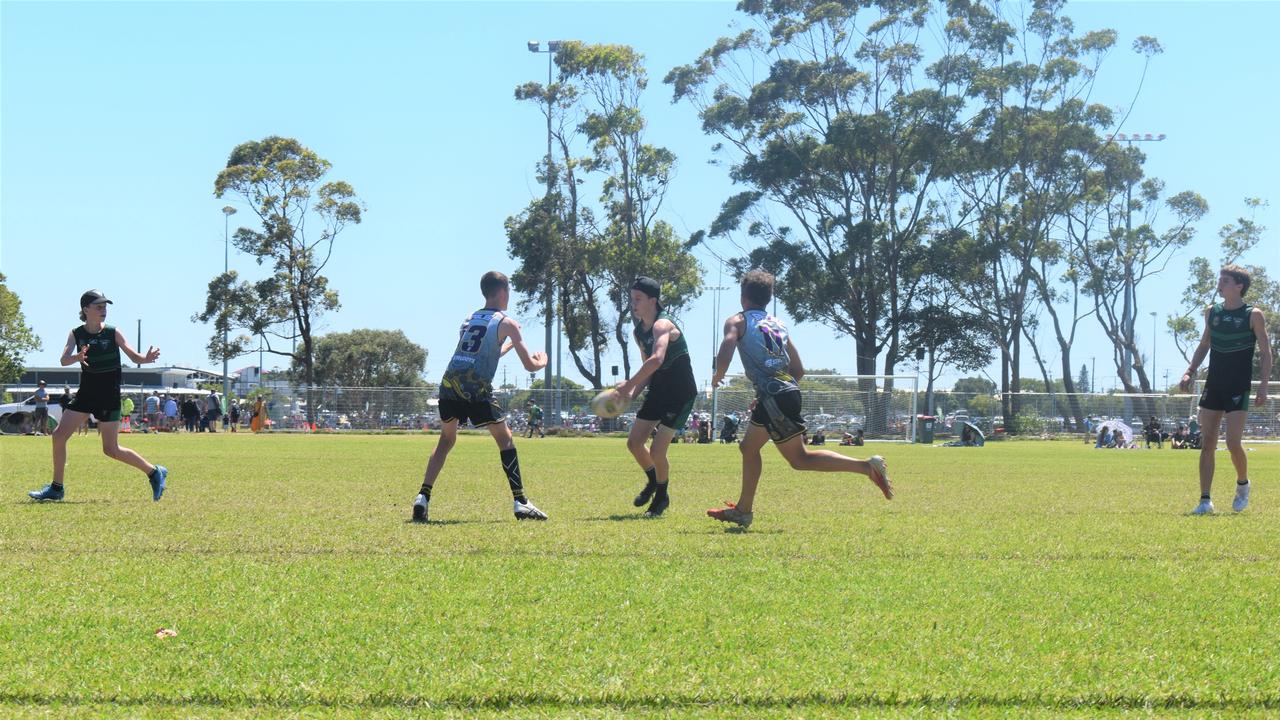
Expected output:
{"points": [[883, 406]]}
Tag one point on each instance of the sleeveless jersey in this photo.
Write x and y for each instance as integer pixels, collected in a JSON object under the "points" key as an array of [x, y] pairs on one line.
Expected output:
{"points": [[1231, 343], [104, 353], [763, 349], [470, 373], [677, 350]]}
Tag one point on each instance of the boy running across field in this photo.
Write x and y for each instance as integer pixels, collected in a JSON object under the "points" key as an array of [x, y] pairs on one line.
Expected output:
{"points": [[466, 392], [97, 347], [669, 375], [1231, 328], [771, 362]]}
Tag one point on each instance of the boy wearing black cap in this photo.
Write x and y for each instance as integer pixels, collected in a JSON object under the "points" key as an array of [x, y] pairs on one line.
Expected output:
{"points": [[97, 347], [672, 391]]}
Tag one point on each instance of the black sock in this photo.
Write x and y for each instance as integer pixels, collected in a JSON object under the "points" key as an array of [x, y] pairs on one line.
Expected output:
{"points": [[652, 474], [56, 484], [511, 466], [662, 491], [1204, 497], [1243, 482], [425, 490]]}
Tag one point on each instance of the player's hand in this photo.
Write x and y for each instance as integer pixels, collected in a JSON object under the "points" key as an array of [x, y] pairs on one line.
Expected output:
{"points": [[716, 380], [1186, 382], [1262, 395], [621, 389], [83, 355], [539, 358], [153, 352]]}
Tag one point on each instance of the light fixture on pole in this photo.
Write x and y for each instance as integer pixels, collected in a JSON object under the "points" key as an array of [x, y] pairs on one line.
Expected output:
{"points": [[227, 212]]}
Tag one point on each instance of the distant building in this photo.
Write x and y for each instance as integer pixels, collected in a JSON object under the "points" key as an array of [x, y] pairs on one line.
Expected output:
{"points": [[132, 379]]}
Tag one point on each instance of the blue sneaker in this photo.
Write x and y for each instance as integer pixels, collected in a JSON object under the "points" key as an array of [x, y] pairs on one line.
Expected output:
{"points": [[156, 478], [48, 492]]}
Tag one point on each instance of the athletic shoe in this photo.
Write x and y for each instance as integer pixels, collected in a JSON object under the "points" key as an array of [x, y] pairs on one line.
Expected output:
{"points": [[420, 508], [731, 513], [48, 492], [659, 504], [880, 476], [1242, 497], [1204, 508], [527, 511], [157, 478], [645, 494]]}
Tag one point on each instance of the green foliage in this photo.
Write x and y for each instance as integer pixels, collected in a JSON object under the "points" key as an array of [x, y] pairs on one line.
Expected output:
{"points": [[977, 385], [977, 592], [16, 337], [366, 358], [282, 182], [586, 256]]}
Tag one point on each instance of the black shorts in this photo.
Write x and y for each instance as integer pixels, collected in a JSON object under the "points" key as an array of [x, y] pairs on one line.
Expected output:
{"points": [[1225, 400], [479, 412], [669, 400], [780, 415], [99, 396]]}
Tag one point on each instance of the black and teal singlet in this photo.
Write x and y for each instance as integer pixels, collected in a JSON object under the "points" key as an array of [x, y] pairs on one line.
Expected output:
{"points": [[1231, 343], [104, 353]]}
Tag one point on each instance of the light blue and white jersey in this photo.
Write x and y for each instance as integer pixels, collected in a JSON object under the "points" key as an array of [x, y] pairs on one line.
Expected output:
{"points": [[763, 349], [475, 360]]}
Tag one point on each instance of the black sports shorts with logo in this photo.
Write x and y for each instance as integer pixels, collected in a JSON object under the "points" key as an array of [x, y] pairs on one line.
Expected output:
{"points": [[1225, 399], [99, 396], [779, 414], [479, 412]]}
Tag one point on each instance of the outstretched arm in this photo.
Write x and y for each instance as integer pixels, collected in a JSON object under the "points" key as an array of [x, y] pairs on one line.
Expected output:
{"points": [[150, 357], [509, 330]]}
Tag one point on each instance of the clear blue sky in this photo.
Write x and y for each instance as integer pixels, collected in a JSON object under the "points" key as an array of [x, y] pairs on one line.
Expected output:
{"points": [[115, 119]]}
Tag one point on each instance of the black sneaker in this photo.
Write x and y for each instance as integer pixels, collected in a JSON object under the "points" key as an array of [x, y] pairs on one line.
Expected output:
{"points": [[660, 503], [420, 509], [645, 494]]}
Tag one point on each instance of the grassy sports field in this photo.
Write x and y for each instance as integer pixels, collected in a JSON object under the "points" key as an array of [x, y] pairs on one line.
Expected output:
{"points": [[1018, 579]]}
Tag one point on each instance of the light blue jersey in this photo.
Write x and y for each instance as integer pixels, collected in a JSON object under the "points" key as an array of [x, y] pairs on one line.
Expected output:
{"points": [[470, 373], [763, 349]]}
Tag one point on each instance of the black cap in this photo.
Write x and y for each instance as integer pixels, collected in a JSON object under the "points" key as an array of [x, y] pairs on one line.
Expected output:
{"points": [[648, 286], [92, 296]]}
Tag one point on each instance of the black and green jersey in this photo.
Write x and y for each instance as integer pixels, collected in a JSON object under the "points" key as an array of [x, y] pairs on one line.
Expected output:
{"points": [[676, 348], [1231, 343], [104, 353]]}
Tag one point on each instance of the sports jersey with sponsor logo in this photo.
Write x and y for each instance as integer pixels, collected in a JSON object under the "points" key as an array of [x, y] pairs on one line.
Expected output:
{"points": [[1231, 343], [470, 373], [763, 349], [104, 353]]}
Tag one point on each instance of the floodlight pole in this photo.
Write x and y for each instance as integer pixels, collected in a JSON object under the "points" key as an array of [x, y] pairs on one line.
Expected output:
{"points": [[535, 46], [227, 212]]}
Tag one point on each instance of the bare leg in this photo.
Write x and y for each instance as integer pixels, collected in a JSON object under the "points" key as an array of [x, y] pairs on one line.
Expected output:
{"points": [[1210, 420], [658, 451], [71, 421], [756, 437], [636, 440], [110, 432], [802, 457], [502, 435], [448, 437], [1235, 434]]}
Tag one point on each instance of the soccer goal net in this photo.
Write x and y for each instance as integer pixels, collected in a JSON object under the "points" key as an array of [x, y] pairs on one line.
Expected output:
{"points": [[882, 406]]}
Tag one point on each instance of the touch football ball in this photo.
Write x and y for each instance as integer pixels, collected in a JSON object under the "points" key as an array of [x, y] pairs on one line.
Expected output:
{"points": [[608, 404]]}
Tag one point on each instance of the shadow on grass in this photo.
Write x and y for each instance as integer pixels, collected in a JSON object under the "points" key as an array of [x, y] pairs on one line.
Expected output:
{"points": [[623, 518], [429, 523]]}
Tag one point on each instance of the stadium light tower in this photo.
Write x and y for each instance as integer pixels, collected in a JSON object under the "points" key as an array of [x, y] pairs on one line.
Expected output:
{"points": [[227, 212], [535, 46]]}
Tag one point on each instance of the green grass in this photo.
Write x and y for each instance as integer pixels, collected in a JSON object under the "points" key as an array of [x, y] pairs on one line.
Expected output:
{"points": [[1019, 579]]}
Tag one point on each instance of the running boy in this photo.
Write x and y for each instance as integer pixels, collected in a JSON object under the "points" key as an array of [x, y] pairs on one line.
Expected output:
{"points": [[1231, 328], [466, 392], [672, 390], [97, 347], [771, 362]]}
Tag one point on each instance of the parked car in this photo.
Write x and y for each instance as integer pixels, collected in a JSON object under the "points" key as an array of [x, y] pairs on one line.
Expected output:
{"points": [[16, 418]]}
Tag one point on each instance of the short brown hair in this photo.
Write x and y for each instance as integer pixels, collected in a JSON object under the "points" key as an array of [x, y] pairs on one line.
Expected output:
{"points": [[493, 281], [757, 287], [1238, 274]]}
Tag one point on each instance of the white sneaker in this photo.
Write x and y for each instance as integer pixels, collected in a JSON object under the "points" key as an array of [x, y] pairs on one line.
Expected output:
{"points": [[1204, 508], [1242, 497], [420, 508], [527, 511]]}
